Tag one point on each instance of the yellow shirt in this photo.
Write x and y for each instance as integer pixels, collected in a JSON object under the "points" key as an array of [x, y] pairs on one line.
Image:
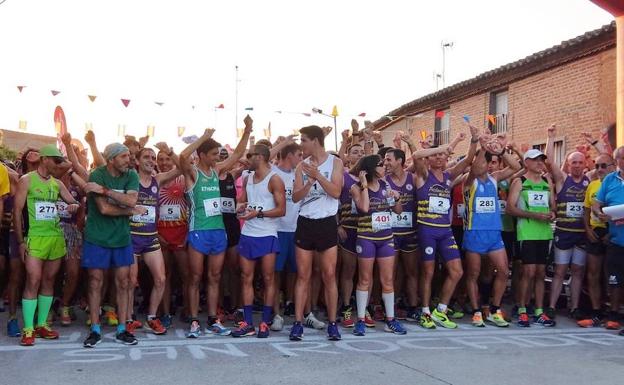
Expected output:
{"points": [[5, 184], [590, 195]]}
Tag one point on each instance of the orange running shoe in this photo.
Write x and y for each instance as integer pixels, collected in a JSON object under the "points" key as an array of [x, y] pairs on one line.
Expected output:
{"points": [[28, 337], [46, 332]]}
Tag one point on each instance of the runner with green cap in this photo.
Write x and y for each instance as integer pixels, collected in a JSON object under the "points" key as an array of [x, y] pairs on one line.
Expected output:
{"points": [[40, 239]]}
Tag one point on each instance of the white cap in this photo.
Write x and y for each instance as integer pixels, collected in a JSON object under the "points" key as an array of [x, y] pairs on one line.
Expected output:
{"points": [[533, 154]]}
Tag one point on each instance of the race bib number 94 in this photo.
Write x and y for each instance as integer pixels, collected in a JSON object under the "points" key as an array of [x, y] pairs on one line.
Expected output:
{"points": [[381, 221]]}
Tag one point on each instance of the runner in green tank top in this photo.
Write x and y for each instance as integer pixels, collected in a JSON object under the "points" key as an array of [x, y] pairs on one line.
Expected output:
{"points": [[532, 201], [206, 230], [40, 239]]}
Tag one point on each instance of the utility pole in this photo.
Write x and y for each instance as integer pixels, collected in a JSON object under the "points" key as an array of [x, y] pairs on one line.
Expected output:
{"points": [[445, 46]]}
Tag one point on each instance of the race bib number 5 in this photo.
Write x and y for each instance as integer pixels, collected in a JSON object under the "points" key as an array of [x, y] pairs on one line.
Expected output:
{"points": [[170, 213]]}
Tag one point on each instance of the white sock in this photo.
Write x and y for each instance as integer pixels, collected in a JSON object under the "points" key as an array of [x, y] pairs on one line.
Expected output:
{"points": [[388, 300], [425, 310], [151, 317], [442, 307], [361, 299]]}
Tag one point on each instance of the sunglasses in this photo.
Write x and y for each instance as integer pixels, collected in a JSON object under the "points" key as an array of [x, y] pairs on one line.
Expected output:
{"points": [[57, 160], [603, 165]]}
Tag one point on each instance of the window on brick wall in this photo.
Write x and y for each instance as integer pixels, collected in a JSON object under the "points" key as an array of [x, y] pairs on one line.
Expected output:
{"points": [[442, 129], [498, 108], [559, 151]]}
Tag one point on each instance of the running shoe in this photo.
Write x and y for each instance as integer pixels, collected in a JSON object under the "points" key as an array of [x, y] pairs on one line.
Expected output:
{"points": [[413, 315], [523, 320], [612, 325], [454, 312], [442, 319], [133, 325], [194, 330], [544, 320], [110, 317], [593, 322], [218, 329], [126, 338], [296, 332], [278, 323], [551, 312], [497, 319], [28, 337], [477, 320], [46, 332], [360, 328], [263, 330], [332, 332], [92, 340], [244, 330], [156, 327], [311, 322], [13, 329], [289, 309], [575, 314], [378, 314], [368, 320], [65, 316], [347, 320], [394, 326], [166, 320], [239, 317], [426, 321]]}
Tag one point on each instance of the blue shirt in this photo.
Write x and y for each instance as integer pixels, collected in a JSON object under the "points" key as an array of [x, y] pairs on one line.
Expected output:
{"points": [[611, 193]]}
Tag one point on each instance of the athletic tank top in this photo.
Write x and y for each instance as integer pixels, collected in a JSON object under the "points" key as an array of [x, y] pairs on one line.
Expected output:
{"points": [[41, 198], [482, 209], [172, 204], [570, 205], [317, 204], [348, 211], [61, 206], [205, 201], [434, 201], [145, 224], [503, 192], [260, 199], [376, 224], [227, 187], [403, 224], [534, 197], [288, 223]]}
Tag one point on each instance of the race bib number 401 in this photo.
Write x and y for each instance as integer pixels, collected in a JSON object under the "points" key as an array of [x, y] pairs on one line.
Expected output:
{"points": [[381, 221]]}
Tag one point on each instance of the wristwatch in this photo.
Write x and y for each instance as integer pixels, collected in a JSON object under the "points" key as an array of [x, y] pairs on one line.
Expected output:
{"points": [[260, 215]]}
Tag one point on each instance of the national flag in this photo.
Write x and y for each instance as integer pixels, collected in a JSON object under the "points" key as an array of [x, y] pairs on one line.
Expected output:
{"points": [[150, 131]]}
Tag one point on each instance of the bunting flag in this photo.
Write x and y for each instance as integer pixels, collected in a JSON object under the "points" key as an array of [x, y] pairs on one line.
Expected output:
{"points": [[20, 88], [466, 118], [423, 134], [362, 114], [334, 111], [55, 92], [267, 131], [159, 103], [248, 108], [150, 131], [306, 114], [121, 130], [22, 125], [88, 126], [92, 98], [239, 132], [181, 130], [190, 139], [439, 114], [491, 119], [221, 106], [125, 102]]}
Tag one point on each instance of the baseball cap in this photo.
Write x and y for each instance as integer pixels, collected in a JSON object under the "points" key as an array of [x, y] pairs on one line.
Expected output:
{"points": [[50, 150], [534, 154]]}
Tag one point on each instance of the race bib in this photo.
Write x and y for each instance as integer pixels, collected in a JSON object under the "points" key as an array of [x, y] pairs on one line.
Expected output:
{"points": [[461, 210], [438, 205], [402, 220], [212, 207], [289, 192], [538, 198], [353, 207], [381, 221], [228, 206], [255, 206], [170, 212], [45, 211], [148, 217], [574, 209], [485, 205], [502, 205], [61, 208]]}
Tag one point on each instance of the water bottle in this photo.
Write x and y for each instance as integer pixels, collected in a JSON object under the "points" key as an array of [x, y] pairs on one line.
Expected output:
{"points": [[389, 197]]}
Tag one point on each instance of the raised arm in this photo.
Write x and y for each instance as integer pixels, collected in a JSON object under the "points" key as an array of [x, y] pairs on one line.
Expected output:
{"points": [[557, 174], [185, 156], [239, 151], [98, 159], [459, 168]]}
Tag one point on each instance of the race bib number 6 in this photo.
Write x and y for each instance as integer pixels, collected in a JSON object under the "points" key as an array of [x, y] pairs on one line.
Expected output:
{"points": [[212, 207]]}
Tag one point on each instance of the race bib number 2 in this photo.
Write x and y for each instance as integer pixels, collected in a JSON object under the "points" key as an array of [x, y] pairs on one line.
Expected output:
{"points": [[439, 205]]}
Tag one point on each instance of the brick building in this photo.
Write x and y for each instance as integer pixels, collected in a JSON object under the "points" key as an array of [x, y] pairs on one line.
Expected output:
{"points": [[19, 141], [571, 84]]}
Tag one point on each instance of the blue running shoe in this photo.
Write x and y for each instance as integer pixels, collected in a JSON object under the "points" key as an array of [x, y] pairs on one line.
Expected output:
{"points": [[244, 330], [296, 332], [166, 320], [263, 330], [218, 329], [360, 328], [332, 332], [194, 330], [544, 321], [394, 326], [13, 329]]}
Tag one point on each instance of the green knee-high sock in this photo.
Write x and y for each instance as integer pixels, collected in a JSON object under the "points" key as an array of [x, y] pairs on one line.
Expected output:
{"points": [[45, 302], [28, 309]]}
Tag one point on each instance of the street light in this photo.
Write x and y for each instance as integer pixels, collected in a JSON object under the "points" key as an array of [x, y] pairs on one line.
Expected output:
{"points": [[333, 115]]}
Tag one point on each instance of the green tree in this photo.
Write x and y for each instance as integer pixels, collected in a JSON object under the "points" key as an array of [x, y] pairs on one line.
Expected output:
{"points": [[7, 153]]}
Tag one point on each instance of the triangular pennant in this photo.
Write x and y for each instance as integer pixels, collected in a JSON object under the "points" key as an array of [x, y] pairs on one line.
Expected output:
{"points": [[92, 98], [159, 103], [181, 131], [125, 102], [220, 106], [334, 111], [20, 88], [121, 130], [190, 139], [55, 92], [362, 114], [306, 114]]}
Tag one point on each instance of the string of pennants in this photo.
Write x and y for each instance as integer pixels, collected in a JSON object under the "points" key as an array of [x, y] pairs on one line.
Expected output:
{"points": [[441, 114]]}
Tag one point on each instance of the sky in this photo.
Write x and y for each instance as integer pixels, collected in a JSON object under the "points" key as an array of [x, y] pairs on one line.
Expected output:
{"points": [[363, 57]]}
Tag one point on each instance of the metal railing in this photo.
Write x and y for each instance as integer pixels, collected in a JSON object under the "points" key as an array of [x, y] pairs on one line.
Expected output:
{"points": [[441, 137], [501, 124]]}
